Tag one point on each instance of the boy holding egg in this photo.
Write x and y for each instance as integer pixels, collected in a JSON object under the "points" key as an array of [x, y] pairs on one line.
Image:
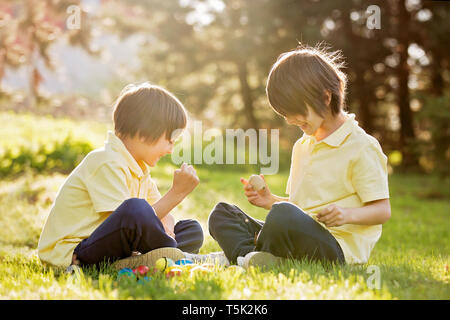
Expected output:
{"points": [[338, 182]]}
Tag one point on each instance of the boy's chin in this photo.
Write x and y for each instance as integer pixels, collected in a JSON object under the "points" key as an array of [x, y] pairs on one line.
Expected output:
{"points": [[151, 163], [307, 132]]}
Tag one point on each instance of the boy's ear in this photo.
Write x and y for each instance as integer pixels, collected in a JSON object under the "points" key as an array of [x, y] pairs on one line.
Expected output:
{"points": [[327, 97], [142, 139]]}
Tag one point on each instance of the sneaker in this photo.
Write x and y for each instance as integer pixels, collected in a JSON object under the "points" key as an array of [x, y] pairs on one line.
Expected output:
{"points": [[218, 258], [149, 259], [259, 259], [73, 268]]}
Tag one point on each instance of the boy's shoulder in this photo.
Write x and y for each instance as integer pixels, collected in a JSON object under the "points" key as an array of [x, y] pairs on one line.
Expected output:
{"points": [[363, 139], [100, 158]]}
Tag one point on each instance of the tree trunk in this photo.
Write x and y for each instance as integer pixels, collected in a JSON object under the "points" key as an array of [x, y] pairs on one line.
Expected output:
{"points": [[358, 83], [407, 135], [246, 94]]}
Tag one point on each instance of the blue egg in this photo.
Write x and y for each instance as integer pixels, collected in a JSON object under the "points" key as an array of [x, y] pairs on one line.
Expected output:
{"points": [[183, 262], [125, 272]]}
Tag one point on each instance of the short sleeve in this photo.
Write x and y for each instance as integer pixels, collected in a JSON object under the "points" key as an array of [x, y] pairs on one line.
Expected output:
{"points": [[288, 186], [293, 168], [153, 195], [370, 175], [107, 187]]}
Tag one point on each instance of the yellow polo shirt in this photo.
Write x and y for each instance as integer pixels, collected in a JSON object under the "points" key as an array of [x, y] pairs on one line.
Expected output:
{"points": [[97, 186], [347, 168]]}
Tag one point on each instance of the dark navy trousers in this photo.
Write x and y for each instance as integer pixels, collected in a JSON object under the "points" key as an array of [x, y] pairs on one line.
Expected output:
{"points": [[134, 226], [288, 232]]}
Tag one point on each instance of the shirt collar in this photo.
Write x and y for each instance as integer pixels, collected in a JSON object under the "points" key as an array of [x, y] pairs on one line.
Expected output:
{"points": [[338, 136], [116, 144]]}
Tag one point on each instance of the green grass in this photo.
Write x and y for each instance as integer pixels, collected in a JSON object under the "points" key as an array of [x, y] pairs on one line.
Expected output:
{"points": [[411, 255]]}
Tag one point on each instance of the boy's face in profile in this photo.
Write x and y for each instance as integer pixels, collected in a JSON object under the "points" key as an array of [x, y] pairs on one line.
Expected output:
{"points": [[150, 153], [309, 124]]}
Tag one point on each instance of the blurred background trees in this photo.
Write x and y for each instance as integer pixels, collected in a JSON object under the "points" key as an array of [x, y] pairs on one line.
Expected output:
{"points": [[27, 31], [215, 56]]}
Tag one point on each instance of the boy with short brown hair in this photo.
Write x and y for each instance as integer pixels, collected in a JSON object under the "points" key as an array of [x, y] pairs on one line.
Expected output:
{"points": [[338, 181], [109, 208]]}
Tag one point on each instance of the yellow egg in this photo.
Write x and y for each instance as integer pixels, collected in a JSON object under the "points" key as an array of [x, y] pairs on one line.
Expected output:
{"points": [[163, 263]]}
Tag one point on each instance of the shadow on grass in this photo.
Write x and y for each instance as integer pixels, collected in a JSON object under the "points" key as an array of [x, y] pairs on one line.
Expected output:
{"points": [[402, 281]]}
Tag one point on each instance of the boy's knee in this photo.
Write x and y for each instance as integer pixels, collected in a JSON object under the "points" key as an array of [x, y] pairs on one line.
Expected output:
{"points": [[137, 210], [217, 213], [284, 206], [197, 232], [221, 207], [194, 227], [280, 216]]}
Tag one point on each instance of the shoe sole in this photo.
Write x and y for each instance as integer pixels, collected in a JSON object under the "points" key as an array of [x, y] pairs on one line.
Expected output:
{"points": [[261, 259], [149, 259], [217, 258]]}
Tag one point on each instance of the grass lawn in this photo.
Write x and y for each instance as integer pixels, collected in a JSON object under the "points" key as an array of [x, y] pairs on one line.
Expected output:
{"points": [[411, 257]]}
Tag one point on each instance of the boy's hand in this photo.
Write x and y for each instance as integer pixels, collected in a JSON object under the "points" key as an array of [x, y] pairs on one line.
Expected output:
{"points": [[185, 180], [262, 198], [333, 216]]}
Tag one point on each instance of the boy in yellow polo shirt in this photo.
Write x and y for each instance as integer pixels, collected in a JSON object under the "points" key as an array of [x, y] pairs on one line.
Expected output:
{"points": [[109, 208], [338, 182]]}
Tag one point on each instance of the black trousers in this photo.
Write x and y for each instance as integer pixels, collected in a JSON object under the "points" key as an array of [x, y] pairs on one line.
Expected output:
{"points": [[134, 226], [288, 232]]}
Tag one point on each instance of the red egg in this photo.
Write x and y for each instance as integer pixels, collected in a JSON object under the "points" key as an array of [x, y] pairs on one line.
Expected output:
{"points": [[173, 272], [141, 270]]}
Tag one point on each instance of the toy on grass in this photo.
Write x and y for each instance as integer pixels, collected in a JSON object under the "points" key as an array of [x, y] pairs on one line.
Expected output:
{"points": [[208, 265], [188, 267], [173, 271], [183, 262], [125, 273], [199, 270], [257, 182], [163, 263], [139, 274], [141, 271]]}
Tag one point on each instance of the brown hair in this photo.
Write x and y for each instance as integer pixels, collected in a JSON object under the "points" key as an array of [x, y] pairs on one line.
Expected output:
{"points": [[300, 77], [149, 111]]}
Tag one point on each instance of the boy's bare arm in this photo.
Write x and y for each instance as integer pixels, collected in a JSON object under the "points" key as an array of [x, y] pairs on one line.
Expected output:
{"points": [[185, 180], [168, 223], [375, 212], [169, 201]]}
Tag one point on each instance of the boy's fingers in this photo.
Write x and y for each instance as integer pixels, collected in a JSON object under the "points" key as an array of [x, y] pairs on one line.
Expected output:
{"points": [[249, 187], [324, 212], [329, 217], [332, 223], [244, 181], [251, 193], [190, 169]]}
